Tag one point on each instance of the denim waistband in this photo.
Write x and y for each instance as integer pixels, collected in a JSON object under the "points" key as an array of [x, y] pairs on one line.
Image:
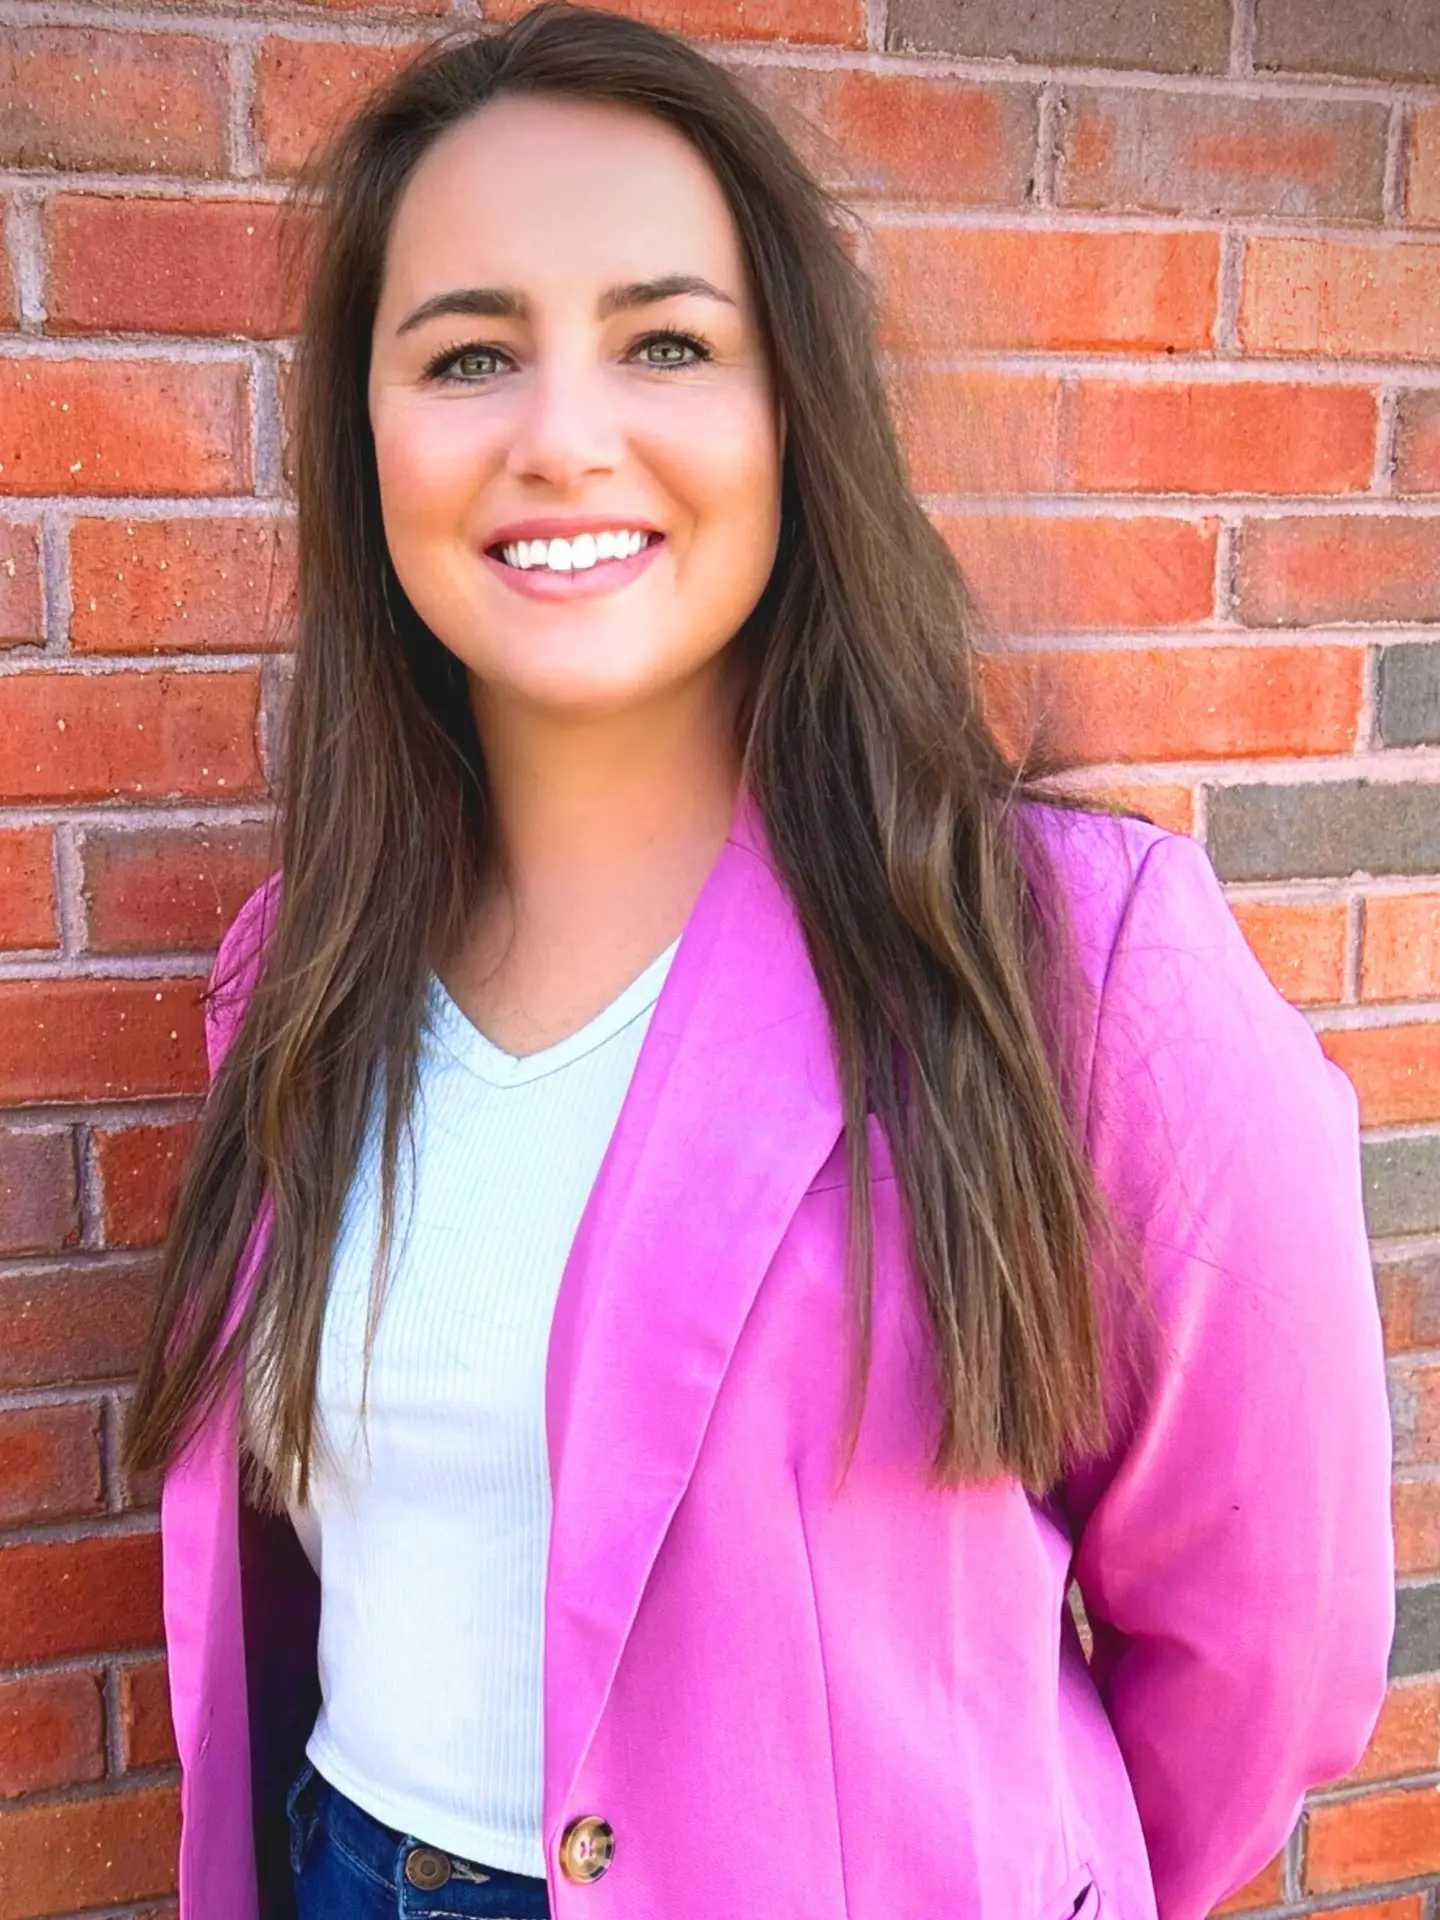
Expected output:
{"points": [[382, 1852]]}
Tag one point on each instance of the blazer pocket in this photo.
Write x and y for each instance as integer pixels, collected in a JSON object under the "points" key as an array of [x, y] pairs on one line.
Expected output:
{"points": [[1078, 1899]]}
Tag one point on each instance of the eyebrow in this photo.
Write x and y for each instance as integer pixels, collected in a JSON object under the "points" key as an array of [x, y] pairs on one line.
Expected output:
{"points": [[506, 303]]}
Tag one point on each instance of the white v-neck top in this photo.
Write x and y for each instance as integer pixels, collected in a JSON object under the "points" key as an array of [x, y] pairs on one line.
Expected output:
{"points": [[432, 1555]]}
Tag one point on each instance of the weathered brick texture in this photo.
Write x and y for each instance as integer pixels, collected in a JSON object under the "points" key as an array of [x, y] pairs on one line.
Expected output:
{"points": [[1159, 305]]}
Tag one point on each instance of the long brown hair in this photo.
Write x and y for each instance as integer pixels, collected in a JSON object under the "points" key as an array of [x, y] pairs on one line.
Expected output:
{"points": [[933, 918]]}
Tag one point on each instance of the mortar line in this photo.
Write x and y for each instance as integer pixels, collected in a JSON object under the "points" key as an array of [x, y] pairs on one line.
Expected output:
{"points": [[299, 23], [1382, 480], [25, 245], [1397, 158], [1242, 39], [240, 121], [1047, 145]]}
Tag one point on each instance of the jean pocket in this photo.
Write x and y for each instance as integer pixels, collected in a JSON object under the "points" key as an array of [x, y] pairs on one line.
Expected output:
{"points": [[300, 1814]]}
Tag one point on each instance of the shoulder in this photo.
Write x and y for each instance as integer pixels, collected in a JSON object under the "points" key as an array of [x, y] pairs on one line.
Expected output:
{"points": [[1178, 1000], [1192, 1044], [1117, 875], [237, 966]]}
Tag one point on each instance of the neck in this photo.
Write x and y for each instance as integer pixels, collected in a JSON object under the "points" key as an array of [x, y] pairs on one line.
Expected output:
{"points": [[607, 825]]}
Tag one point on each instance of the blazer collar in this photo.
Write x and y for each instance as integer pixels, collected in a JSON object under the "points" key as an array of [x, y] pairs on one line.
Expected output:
{"points": [[733, 1108]]}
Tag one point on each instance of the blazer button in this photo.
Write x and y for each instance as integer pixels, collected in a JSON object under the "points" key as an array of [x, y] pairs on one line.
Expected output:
{"points": [[587, 1847]]}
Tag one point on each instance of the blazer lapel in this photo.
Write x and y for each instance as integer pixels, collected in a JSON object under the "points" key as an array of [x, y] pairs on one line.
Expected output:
{"points": [[733, 1108]]}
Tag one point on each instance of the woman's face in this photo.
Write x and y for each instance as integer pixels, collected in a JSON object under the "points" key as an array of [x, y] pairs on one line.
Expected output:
{"points": [[533, 393]]}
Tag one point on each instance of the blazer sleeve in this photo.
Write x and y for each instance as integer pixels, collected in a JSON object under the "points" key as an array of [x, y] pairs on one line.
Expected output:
{"points": [[1234, 1549]]}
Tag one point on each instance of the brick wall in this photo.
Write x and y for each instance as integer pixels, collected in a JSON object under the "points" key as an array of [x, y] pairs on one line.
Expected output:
{"points": [[1162, 306]]}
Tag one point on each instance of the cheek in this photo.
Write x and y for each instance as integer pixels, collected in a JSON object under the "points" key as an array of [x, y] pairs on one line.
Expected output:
{"points": [[728, 468], [426, 465]]}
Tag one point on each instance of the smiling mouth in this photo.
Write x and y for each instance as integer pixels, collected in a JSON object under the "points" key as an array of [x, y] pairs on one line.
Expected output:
{"points": [[581, 554]]}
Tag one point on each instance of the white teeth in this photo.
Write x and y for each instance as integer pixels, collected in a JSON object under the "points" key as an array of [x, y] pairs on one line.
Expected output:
{"points": [[574, 556]]}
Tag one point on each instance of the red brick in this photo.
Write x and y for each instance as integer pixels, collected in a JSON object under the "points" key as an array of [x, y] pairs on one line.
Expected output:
{"points": [[27, 889], [1068, 574], [126, 102], [1170, 703], [1165, 803], [1417, 442], [305, 89], [1407, 1738], [39, 1200], [832, 22], [1134, 148], [211, 585], [1400, 947], [1267, 1889], [145, 1715], [1409, 1288], [1371, 299], [1144, 436], [169, 266], [103, 1851], [139, 1492], [159, 888], [49, 1463], [89, 1039], [123, 426], [1300, 944], [1422, 187], [22, 611], [143, 735], [978, 432], [1415, 1412], [1395, 1070], [945, 288], [140, 1170], [60, 1326], [70, 1598], [1417, 1527], [903, 134], [51, 1732], [1373, 1839], [1325, 570]]}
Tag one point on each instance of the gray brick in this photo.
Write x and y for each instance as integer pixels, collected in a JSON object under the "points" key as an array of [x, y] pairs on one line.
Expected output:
{"points": [[1386, 39], [39, 1204], [1214, 154], [1402, 1184], [1183, 36], [1410, 695], [1416, 1646], [1328, 829]]}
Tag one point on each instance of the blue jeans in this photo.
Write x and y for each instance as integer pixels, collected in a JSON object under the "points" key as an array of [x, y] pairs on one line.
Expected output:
{"points": [[346, 1865]]}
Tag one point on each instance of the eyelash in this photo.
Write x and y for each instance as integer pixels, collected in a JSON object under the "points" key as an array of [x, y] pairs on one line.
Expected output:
{"points": [[438, 367]]}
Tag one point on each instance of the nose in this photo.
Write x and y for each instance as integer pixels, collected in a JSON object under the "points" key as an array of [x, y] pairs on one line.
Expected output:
{"points": [[567, 424]]}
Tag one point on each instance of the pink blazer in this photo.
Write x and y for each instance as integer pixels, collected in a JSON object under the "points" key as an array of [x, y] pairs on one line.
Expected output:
{"points": [[797, 1704]]}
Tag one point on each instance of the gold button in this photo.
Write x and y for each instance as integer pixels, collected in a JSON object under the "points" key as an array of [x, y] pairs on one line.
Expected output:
{"points": [[424, 1867], [587, 1847]]}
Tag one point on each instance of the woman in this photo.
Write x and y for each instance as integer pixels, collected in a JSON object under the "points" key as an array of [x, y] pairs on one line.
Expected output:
{"points": [[847, 1193]]}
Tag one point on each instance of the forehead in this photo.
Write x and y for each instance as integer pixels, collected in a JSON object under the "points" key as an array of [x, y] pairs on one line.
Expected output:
{"points": [[557, 196]]}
